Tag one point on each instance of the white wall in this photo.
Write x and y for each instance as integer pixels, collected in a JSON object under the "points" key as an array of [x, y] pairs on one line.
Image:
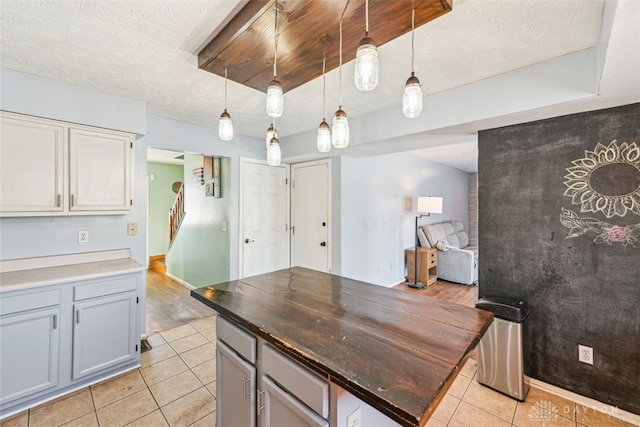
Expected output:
{"points": [[378, 208]]}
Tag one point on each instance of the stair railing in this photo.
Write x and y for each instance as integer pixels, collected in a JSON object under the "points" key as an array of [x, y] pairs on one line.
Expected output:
{"points": [[176, 214]]}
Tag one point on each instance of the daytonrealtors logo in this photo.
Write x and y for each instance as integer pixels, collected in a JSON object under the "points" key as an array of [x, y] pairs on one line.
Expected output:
{"points": [[543, 411]]}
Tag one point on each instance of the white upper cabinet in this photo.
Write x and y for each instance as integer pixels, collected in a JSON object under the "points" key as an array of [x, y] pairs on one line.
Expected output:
{"points": [[32, 161], [99, 170], [57, 168]]}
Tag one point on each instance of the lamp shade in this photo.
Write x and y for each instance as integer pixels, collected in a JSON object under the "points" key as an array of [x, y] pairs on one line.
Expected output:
{"points": [[429, 205], [412, 98], [225, 127], [275, 99], [324, 137], [340, 134], [366, 69], [273, 152], [271, 132]]}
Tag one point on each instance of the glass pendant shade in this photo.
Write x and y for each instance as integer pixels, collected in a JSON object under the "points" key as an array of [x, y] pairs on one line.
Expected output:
{"points": [[275, 99], [324, 137], [273, 152], [271, 132], [225, 127], [340, 133], [366, 68], [412, 98]]}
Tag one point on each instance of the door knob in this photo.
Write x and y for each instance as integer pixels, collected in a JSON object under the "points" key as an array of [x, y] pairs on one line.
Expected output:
{"points": [[248, 241], [323, 244]]}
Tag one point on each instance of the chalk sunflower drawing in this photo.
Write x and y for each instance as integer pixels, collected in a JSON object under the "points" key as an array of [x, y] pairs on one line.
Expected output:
{"points": [[592, 182]]}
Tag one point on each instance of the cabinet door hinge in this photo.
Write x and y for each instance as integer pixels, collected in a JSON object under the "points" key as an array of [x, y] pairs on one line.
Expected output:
{"points": [[293, 229], [293, 183], [286, 227], [286, 181], [55, 321]]}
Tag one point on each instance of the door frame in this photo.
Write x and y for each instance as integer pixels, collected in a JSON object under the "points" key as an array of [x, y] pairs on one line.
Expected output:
{"points": [[243, 162], [328, 162]]}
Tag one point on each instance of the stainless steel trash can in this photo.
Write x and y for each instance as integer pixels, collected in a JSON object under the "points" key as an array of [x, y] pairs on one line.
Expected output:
{"points": [[501, 356]]}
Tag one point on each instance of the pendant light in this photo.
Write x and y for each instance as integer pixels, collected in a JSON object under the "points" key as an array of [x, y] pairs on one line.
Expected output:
{"points": [[271, 132], [412, 97], [273, 151], [366, 70], [324, 132], [225, 126], [340, 134], [275, 97]]}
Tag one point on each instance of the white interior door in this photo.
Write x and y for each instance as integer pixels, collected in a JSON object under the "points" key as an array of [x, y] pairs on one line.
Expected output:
{"points": [[310, 216], [265, 218]]}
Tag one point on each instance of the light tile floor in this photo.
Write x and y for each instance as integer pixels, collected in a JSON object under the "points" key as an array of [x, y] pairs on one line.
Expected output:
{"points": [[175, 386]]}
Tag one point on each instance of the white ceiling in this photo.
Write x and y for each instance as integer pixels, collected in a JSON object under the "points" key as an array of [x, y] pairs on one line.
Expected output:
{"points": [[147, 50]]}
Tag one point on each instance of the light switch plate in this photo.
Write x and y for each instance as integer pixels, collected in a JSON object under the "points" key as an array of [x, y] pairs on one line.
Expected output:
{"points": [[132, 229], [83, 236]]}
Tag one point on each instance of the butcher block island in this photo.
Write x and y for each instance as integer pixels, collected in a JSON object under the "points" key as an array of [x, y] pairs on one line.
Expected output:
{"points": [[301, 347]]}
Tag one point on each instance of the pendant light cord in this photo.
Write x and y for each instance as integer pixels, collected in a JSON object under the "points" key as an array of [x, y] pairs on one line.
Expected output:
{"points": [[225, 88], [366, 18], [275, 42], [324, 85], [341, 62], [413, 18]]}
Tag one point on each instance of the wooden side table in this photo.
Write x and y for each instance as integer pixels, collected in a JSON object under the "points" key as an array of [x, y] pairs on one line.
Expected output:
{"points": [[427, 265]]}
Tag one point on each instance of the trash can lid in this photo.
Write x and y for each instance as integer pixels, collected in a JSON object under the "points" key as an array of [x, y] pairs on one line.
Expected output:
{"points": [[506, 308]]}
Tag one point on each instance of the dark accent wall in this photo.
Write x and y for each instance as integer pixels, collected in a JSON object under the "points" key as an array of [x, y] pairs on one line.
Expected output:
{"points": [[583, 289]]}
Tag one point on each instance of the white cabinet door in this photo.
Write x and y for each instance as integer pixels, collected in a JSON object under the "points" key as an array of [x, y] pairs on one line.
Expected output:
{"points": [[100, 170], [104, 333], [235, 389], [32, 164], [29, 351], [280, 408]]}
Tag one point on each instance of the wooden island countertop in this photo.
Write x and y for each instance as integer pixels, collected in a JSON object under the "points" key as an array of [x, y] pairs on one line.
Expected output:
{"points": [[397, 351]]}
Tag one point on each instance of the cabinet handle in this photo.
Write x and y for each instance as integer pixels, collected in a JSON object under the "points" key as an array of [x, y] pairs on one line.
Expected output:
{"points": [[260, 405], [55, 321], [77, 316], [58, 200], [244, 388]]}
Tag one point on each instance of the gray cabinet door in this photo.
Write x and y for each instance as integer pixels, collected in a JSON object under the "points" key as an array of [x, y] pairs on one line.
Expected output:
{"points": [[104, 333], [29, 351], [235, 389], [279, 408]]}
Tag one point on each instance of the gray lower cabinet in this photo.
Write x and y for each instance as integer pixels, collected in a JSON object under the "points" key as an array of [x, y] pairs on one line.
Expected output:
{"points": [[29, 344], [104, 333], [235, 389], [280, 408]]}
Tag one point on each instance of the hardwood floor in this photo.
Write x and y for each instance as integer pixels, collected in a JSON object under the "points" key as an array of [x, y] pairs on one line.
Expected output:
{"points": [[466, 295], [170, 305]]}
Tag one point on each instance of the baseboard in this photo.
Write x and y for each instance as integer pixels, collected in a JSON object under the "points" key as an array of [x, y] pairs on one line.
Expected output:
{"points": [[180, 281], [586, 404]]}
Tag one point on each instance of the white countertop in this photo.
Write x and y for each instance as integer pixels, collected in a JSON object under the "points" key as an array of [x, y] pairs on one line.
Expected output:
{"points": [[52, 275]]}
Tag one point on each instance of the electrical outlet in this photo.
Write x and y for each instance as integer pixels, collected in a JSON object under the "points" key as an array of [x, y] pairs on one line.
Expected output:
{"points": [[355, 419], [585, 354], [83, 236], [132, 229]]}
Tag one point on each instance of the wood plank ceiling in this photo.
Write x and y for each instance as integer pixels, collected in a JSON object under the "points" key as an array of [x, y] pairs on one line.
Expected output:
{"points": [[306, 30]]}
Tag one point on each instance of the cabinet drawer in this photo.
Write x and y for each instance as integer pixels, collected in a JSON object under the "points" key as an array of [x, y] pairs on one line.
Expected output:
{"points": [[311, 389], [104, 287], [18, 303], [242, 342]]}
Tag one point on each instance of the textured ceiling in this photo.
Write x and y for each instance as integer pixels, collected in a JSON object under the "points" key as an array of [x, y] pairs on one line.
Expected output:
{"points": [[463, 156], [146, 50]]}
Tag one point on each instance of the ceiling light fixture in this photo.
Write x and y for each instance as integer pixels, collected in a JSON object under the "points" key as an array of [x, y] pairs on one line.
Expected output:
{"points": [[225, 126], [324, 132], [412, 97], [366, 70], [340, 134], [271, 132], [273, 151], [275, 97]]}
